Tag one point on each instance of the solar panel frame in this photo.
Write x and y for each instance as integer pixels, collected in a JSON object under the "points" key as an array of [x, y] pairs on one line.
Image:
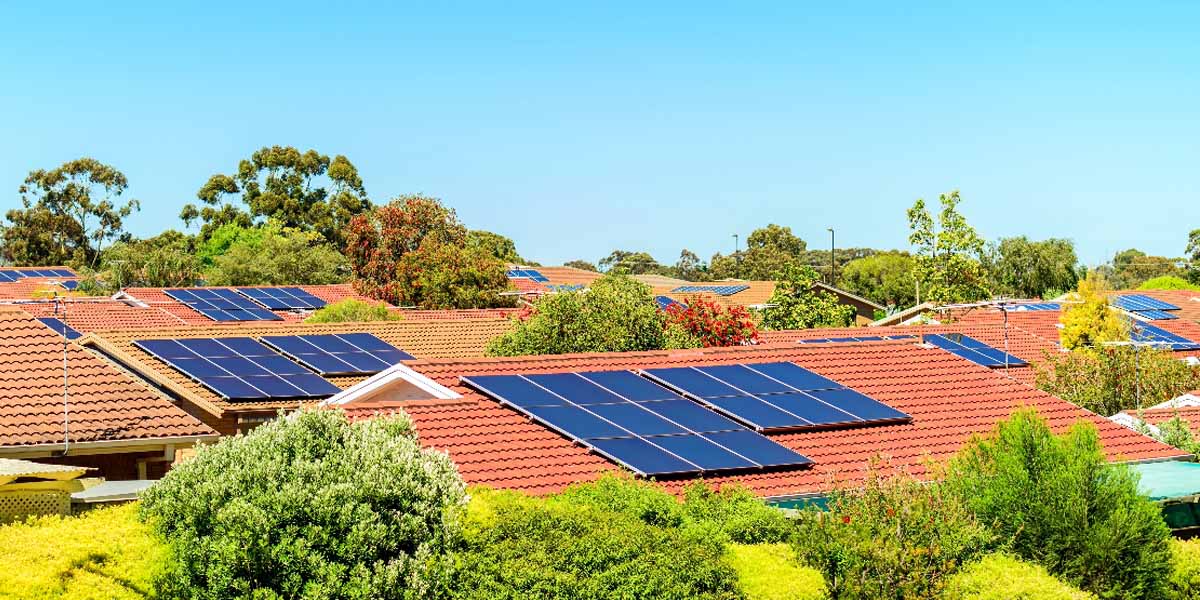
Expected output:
{"points": [[1140, 302], [282, 297], [9, 276], [1145, 332], [1156, 315], [331, 354], [60, 327], [969, 348], [639, 423], [214, 362], [222, 305]]}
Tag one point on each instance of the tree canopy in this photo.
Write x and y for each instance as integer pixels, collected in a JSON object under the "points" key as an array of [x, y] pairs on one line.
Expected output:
{"points": [[948, 253], [885, 278], [501, 247], [1130, 268], [795, 304], [581, 265], [68, 214], [308, 191], [275, 255], [1089, 322], [632, 263], [1022, 268], [769, 250]]}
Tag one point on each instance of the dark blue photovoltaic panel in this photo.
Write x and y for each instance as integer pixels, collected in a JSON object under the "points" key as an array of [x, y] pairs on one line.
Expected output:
{"points": [[533, 274], [339, 353], [57, 326], [720, 290], [655, 436], [238, 368], [282, 298], [973, 350], [1145, 332], [753, 446], [693, 381], [1033, 307], [1140, 302], [1156, 315], [665, 302], [220, 304], [778, 396], [69, 284], [10, 275]]}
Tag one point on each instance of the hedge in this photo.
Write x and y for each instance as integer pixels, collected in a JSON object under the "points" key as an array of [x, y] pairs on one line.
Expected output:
{"points": [[770, 572], [1004, 577]]}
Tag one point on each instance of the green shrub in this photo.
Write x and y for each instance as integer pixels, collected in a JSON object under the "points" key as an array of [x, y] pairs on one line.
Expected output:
{"points": [[770, 572], [1057, 502], [1168, 282], [1185, 569], [1004, 577], [309, 506], [623, 494], [351, 310], [893, 537], [105, 554], [527, 548]]}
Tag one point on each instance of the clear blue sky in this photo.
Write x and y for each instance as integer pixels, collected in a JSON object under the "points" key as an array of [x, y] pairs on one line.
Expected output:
{"points": [[650, 126]]}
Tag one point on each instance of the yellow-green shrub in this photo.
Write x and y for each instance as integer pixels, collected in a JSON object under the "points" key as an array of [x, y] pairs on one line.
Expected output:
{"points": [[1003, 577], [770, 572], [1185, 574], [105, 554]]}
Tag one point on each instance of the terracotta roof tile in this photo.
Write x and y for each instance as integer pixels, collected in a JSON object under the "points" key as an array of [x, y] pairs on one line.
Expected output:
{"points": [[105, 403], [949, 399], [97, 314]]}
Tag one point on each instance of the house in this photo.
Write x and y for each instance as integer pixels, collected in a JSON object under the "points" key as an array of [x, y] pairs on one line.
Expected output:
{"points": [[947, 398], [61, 404]]}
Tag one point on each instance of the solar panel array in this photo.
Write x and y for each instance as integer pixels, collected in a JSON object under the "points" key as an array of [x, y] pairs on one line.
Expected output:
{"points": [[1033, 307], [533, 274], [223, 305], [861, 338], [339, 353], [665, 302], [973, 350], [239, 368], [776, 396], [69, 284], [634, 422], [61, 328], [720, 290], [282, 298], [11, 275], [1145, 332], [1144, 306]]}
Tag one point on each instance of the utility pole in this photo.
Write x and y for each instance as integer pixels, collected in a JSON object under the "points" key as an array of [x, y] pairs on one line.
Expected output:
{"points": [[831, 257], [737, 258]]}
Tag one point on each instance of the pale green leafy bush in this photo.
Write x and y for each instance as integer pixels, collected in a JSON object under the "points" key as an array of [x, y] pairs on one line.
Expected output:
{"points": [[770, 572], [1004, 577]]}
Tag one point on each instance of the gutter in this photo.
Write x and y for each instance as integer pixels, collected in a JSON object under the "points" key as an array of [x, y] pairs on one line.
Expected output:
{"points": [[103, 444]]}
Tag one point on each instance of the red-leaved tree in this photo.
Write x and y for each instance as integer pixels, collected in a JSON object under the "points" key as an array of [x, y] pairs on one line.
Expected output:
{"points": [[413, 252], [714, 324]]}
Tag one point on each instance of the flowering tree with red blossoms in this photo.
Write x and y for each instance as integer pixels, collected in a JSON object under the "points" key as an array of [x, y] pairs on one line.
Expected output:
{"points": [[714, 324]]}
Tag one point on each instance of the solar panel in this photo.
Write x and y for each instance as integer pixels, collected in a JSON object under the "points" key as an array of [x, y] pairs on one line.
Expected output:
{"points": [[665, 302], [10, 275], [861, 338], [533, 274], [1145, 332], [720, 290], [339, 353], [973, 350], [776, 396], [1033, 307], [1139, 302], [220, 304], [636, 423], [61, 328], [574, 287], [69, 284], [282, 298], [1155, 315], [239, 368]]}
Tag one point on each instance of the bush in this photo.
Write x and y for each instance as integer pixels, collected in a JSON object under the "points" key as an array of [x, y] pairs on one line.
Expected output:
{"points": [[527, 548], [894, 537], [1108, 380], [795, 304], [351, 310], [104, 554], [713, 324], [770, 572], [1185, 569], [1057, 502], [1003, 577], [1168, 282], [309, 506]]}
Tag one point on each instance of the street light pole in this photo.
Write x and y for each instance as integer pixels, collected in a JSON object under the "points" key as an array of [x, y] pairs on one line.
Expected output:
{"points": [[831, 256], [737, 258]]}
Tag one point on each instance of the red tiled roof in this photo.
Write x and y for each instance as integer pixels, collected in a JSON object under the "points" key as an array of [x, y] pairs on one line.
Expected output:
{"points": [[949, 399], [451, 314], [1188, 301], [87, 315], [105, 403], [1158, 416]]}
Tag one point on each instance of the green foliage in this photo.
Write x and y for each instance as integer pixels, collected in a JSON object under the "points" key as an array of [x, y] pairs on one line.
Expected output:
{"points": [[886, 278], [582, 265], [1130, 268], [1111, 379], [948, 253], [616, 314], [689, 267], [166, 260], [632, 263], [220, 239], [68, 214], [413, 251], [104, 554], [276, 255], [770, 572], [1168, 282], [1184, 583], [893, 537], [769, 251], [306, 191], [1057, 502], [352, 311], [1023, 268], [497, 245], [1193, 256], [524, 548], [1177, 432], [798, 306], [1004, 577], [713, 324], [1090, 323], [309, 506]]}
